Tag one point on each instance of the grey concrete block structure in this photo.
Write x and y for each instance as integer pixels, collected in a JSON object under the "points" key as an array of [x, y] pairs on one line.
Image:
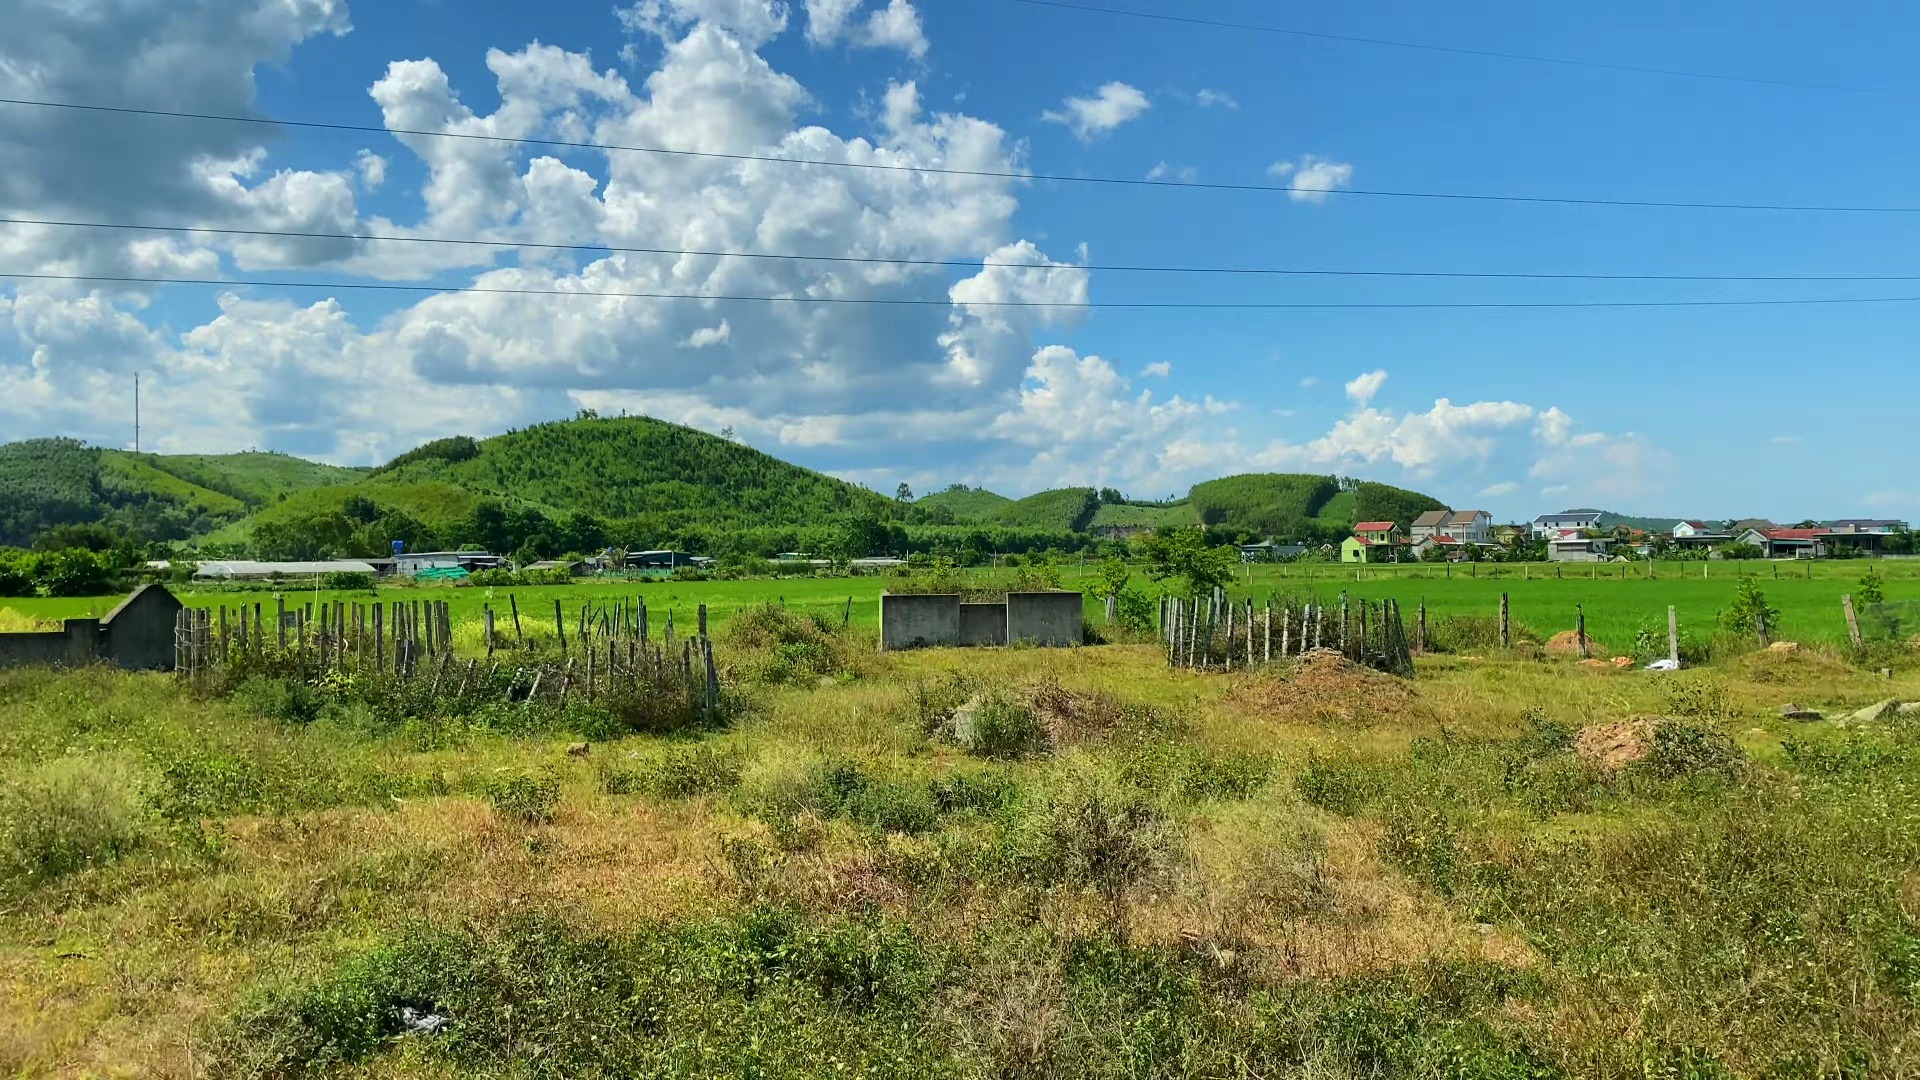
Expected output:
{"points": [[983, 624], [138, 634], [1045, 618], [913, 620], [916, 620]]}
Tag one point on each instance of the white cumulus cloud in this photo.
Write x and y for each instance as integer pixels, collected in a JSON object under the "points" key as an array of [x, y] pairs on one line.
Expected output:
{"points": [[1216, 99], [1112, 105], [1363, 387], [1312, 177], [894, 25]]}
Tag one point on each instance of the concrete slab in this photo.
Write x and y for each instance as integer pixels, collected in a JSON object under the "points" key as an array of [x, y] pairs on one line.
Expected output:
{"points": [[1046, 618], [983, 624], [912, 621]]}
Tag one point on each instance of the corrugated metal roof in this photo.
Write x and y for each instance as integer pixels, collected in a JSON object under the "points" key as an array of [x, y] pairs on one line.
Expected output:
{"points": [[248, 568]]}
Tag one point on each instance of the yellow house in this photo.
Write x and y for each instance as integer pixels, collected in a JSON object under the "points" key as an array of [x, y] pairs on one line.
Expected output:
{"points": [[1372, 541]]}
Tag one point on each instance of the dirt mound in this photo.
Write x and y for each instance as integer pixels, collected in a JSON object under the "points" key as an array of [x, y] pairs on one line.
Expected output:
{"points": [[1325, 687], [1071, 717], [1567, 643], [1612, 747]]}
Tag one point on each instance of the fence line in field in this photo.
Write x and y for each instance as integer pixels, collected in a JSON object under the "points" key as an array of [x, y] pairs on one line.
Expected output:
{"points": [[609, 650], [1213, 631]]}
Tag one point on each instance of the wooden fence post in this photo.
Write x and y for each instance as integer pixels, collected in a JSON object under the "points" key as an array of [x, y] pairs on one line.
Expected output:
{"points": [[1853, 621], [487, 615], [560, 630], [703, 620], [1673, 634], [1506, 624], [1580, 629], [1421, 643], [519, 639]]}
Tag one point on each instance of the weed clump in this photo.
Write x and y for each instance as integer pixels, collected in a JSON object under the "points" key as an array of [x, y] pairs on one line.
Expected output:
{"points": [[1682, 749], [282, 700], [71, 814], [525, 797], [789, 648], [1012, 722], [677, 773]]}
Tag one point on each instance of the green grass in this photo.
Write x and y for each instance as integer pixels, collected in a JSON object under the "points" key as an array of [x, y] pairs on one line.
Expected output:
{"points": [[969, 863]]}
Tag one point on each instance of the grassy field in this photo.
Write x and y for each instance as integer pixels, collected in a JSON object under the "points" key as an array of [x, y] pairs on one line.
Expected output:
{"points": [[1098, 868], [1616, 607]]}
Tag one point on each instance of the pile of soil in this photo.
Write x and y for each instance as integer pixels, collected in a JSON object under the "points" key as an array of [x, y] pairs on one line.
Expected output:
{"points": [[1612, 747], [1325, 687], [1567, 643]]}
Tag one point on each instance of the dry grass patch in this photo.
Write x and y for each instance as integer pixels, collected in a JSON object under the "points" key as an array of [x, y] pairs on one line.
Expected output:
{"points": [[1324, 687]]}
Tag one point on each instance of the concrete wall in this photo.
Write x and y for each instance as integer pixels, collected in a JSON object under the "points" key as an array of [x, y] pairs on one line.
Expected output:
{"points": [[69, 647], [983, 624], [912, 621], [138, 635], [1047, 618]]}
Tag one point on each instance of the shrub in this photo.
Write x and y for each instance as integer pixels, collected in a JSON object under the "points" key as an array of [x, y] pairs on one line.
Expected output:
{"points": [[287, 701], [347, 581], [1749, 609], [1868, 592], [787, 647], [14, 581], [1338, 785], [1699, 699], [677, 773], [69, 814], [1681, 749], [525, 797], [998, 724]]}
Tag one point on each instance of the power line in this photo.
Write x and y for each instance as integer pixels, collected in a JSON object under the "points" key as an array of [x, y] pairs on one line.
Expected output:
{"points": [[964, 264], [1530, 58], [891, 301], [995, 174]]}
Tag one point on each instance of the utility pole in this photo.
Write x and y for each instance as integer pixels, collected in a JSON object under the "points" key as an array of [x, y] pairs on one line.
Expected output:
{"points": [[136, 412]]}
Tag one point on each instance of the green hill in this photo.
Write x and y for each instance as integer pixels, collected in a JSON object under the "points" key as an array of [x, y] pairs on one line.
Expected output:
{"points": [[1058, 510], [253, 478], [965, 505], [1273, 504], [1126, 515], [637, 467], [437, 505], [1384, 502]]}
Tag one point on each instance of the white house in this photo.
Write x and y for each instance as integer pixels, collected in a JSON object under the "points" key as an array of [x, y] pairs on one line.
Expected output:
{"points": [[1469, 525], [1431, 523], [1699, 534], [1549, 525]]}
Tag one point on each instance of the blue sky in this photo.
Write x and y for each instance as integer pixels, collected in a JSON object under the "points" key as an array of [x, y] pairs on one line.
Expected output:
{"points": [[1715, 412]]}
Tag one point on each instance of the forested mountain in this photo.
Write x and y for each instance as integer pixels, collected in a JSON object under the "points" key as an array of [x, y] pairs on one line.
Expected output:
{"points": [[1276, 504], [964, 505], [1060, 510], [48, 483], [581, 484], [638, 468]]}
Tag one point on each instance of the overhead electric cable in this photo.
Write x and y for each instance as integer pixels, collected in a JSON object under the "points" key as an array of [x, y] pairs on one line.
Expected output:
{"points": [[959, 264], [1002, 174], [1157, 305]]}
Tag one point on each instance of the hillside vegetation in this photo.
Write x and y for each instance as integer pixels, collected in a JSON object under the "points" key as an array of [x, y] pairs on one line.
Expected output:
{"points": [[1061, 509], [965, 505], [1127, 515], [637, 467], [252, 478], [1384, 502], [1279, 504]]}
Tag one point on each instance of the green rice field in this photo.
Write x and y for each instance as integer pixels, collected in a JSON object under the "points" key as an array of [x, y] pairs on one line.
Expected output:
{"points": [[1544, 598]]}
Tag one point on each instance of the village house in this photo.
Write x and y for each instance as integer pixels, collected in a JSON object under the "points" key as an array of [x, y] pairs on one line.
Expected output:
{"points": [[1549, 525], [1573, 545], [1431, 523], [1471, 526], [1372, 541], [1699, 534], [1452, 546]]}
